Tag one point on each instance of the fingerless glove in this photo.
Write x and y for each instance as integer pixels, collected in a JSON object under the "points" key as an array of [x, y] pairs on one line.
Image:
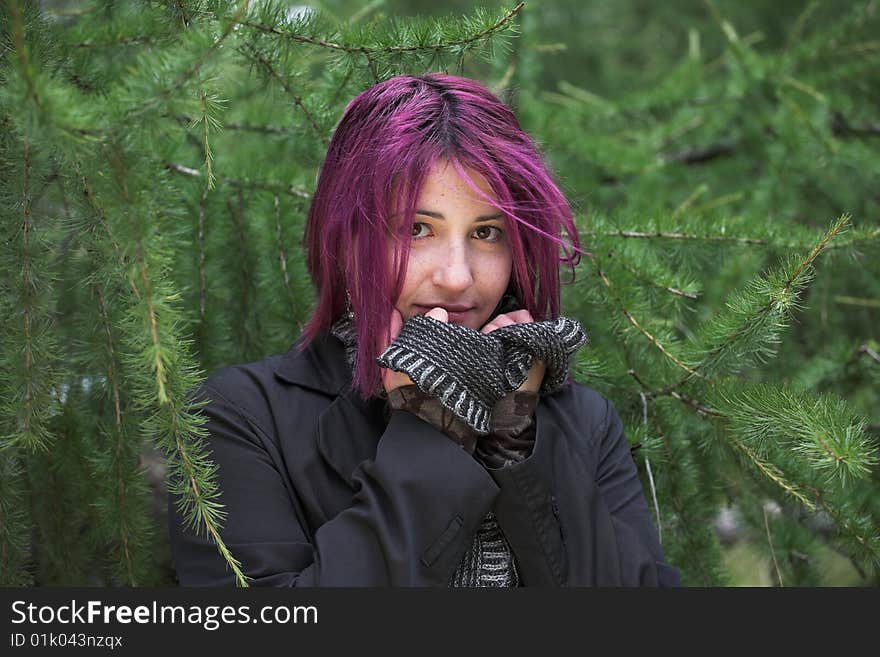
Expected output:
{"points": [[469, 371]]}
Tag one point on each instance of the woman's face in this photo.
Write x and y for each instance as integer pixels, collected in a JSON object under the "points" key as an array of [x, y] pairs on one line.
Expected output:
{"points": [[460, 258]]}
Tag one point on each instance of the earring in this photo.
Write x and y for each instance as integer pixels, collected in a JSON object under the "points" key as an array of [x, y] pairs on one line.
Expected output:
{"points": [[348, 310]]}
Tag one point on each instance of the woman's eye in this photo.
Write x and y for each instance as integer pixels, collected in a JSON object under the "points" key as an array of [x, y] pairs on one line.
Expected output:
{"points": [[488, 233], [420, 229]]}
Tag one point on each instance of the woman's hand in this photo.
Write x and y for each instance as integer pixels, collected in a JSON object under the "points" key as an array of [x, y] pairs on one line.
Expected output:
{"points": [[536, 373], [390, 378]]}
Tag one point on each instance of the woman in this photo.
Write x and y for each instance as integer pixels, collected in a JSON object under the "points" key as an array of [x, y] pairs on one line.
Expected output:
{"points": [[424, 431]]}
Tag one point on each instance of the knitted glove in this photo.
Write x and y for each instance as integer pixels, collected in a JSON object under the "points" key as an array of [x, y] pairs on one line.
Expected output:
{"points": [[469, 371], [456, 364], [553, 342]]}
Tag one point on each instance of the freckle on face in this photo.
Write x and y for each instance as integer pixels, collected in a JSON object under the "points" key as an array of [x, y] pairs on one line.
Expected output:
{"points": [[456, 261]]}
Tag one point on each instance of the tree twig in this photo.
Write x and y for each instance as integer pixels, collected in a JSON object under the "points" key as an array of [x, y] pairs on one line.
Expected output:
{"points": [[246, 184], [253, 53], [650, 474], [772, 551], [196, 65], [391, 50], [632, 320]]}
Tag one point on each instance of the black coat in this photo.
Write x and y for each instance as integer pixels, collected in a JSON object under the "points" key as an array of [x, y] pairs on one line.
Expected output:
{"points": [[324, 489]]}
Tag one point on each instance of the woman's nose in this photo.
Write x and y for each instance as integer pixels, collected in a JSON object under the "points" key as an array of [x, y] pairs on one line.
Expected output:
{"points": [[453, 271]]}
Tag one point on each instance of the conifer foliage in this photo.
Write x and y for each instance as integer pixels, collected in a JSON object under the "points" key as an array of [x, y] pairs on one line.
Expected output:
{"points": [[156, 165]]}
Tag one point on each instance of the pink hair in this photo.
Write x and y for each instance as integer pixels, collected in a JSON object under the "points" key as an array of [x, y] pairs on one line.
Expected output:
{"points": [[388, 138]]}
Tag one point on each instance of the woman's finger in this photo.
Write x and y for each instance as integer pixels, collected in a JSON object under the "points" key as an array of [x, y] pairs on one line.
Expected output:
{"points": [[507, 319], [520, 317], [395, 325], [535, 378], [439, 314]]}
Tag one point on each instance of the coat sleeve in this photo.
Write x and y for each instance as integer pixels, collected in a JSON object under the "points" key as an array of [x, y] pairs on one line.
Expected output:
{"points": [[574, 510], [415, 506]]}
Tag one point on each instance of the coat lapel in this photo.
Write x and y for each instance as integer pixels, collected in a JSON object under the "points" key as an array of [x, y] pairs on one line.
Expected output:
{"points": [[349, 432], [349, 429]]}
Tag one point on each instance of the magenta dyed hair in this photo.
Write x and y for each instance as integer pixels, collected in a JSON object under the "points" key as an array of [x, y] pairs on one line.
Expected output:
{"points": [[388, 138]]}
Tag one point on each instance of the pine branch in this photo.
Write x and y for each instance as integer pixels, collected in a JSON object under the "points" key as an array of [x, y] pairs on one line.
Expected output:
{"points": [[121, 493], [269, 29], [23, 64], [201, 503], [158, 361], [15, 525], [194, 67], [841, 127], [293, 190], [694, 541], [650, 473], [207, 121], [98, 211], [35, 90], [29, 395], [758, 324], [120, 41], [282, 257], [199, 507], [650, 281], [675, 236], [817, 134], [172, 423], [181, 10], [773, 473], [248, 322], [119, 435], [702, 409], [254, 55], [632, 320], [772, 551], [200, 246], [628, 234], [856, 301], [261, 129], [28, 400], [820, 430], [865, 349], [699, 154], [692, 404], [794, 35], [864, 542]]}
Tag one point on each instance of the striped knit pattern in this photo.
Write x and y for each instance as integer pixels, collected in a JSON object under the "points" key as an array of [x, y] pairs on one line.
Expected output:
{"points": [[458, 365], [553, 342], [470, 371], [488, 561]]}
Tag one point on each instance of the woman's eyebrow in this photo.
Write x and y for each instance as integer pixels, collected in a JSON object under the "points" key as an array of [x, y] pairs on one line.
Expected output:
{"points": [[437, 215]]}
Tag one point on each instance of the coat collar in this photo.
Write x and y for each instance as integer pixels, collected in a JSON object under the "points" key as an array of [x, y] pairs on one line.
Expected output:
{"points": [[320, 366], [349, 429]]}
